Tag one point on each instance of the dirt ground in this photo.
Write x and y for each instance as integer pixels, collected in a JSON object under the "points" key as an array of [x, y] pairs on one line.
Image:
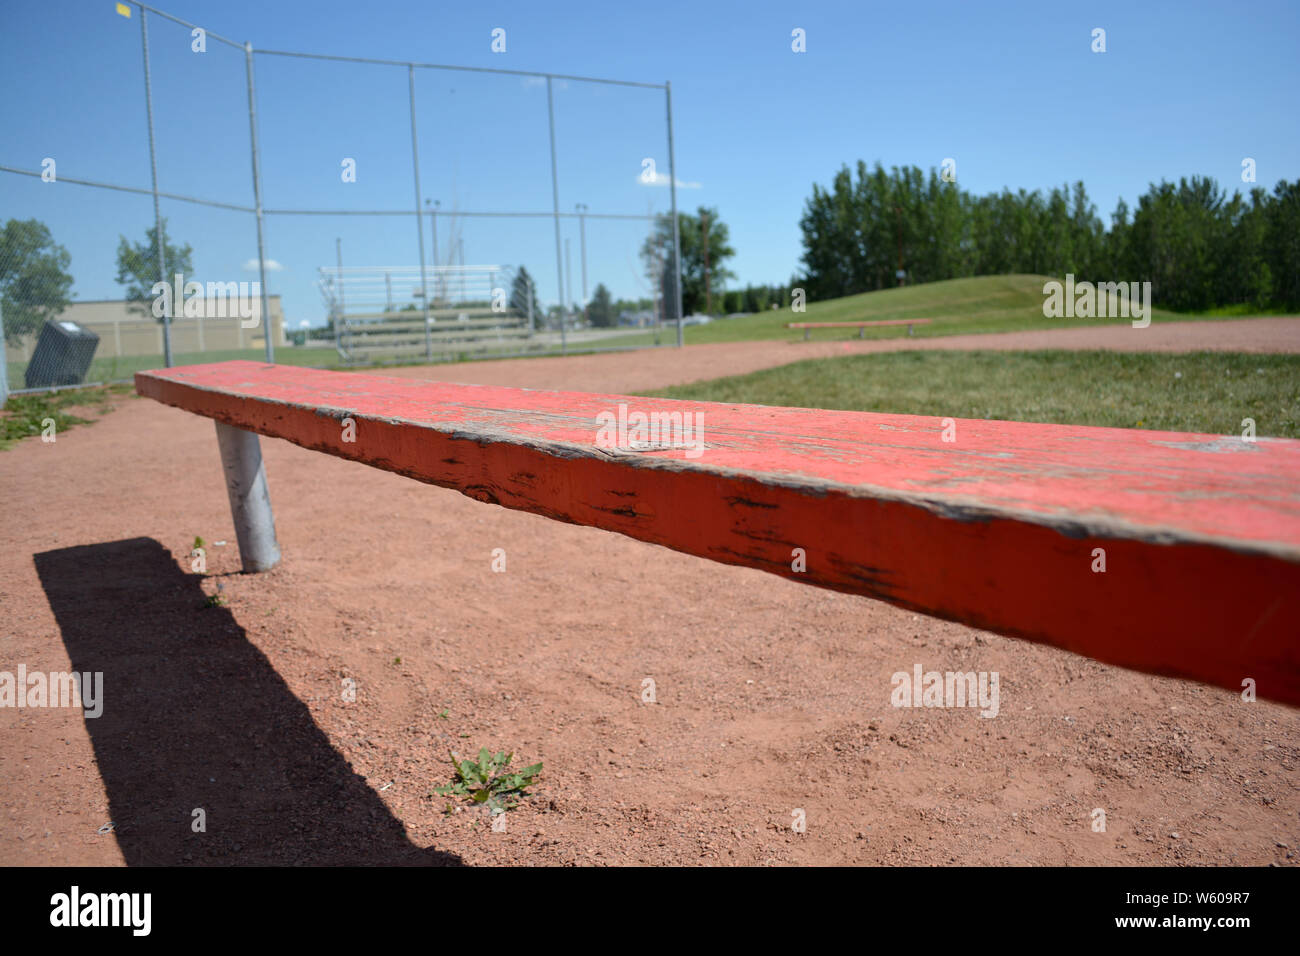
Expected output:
{"points": [[771, 697], [658, 368]]}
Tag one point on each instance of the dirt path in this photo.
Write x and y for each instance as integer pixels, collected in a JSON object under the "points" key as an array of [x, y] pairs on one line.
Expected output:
{"points": [[771, 698], [656, 368]]}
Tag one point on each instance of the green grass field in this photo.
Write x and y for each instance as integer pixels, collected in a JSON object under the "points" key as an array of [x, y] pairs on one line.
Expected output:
{"points": [[122, 369], [957, 306], [115, 369], [1200, 392]]}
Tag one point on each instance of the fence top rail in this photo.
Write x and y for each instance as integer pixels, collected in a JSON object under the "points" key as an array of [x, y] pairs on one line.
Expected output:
{"points": [[185, 23], [1000, 529], [463, 69], [386, 62]]}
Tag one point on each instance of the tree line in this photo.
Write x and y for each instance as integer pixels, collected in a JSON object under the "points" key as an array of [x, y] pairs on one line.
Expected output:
{"points": [[1199, 247]]}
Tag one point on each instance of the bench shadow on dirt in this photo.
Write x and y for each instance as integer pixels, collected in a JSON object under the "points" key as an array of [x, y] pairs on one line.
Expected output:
{"points": [[195, 716]]}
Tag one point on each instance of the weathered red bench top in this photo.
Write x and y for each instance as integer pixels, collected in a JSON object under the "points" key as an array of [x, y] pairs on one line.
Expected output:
{"points": [[997, 529]]}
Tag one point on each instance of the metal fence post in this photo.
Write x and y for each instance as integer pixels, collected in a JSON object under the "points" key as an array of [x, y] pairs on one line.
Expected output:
{"points": [[672, 189], [153, 170], [4, 363], [419, 222], [555, 201], [257, 203]]}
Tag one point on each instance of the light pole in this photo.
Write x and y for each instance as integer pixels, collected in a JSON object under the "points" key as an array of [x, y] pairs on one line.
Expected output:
{"points": [[338, 315], [708, 296], [568, 276], [433, 222], [582, 238]]}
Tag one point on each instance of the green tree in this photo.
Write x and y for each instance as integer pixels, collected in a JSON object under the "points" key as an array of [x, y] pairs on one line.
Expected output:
{"points": [[34, 281], [756, 298], [601, 310], [1247, 278], [656, 254], [137, 267], [1177, 242], [1197, 246], [1282, 218], [523, 290]]}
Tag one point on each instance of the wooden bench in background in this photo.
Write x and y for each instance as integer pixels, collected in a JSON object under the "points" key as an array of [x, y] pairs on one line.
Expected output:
{"points": [[1000, 528], [860, 326]]}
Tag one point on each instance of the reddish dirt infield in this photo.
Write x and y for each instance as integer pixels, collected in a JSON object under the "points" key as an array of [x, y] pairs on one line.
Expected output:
{"points": [[771, 696]]}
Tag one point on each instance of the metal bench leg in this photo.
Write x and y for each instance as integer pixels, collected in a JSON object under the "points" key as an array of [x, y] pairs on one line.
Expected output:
{"points": [[250, 501]]}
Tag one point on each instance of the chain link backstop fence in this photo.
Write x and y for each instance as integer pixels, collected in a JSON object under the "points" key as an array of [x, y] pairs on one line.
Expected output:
{"points": [[180, 197]]}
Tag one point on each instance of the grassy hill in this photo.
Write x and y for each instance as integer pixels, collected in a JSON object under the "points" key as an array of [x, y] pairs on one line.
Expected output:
{"points": [[956, 306]]}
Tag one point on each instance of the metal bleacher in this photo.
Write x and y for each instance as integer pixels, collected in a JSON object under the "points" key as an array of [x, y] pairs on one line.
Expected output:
{"points": [[381, 315]]}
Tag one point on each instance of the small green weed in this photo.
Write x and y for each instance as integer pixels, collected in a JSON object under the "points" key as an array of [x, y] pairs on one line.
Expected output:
{"points": [[487, 780]]}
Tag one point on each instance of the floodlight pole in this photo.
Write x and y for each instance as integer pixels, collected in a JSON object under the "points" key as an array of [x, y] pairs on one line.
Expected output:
{"points": [[555, 203], [153, 171], [708, 293], [582, 239], [460, 246], [672, 189], [419, 227], [568, 270], [342, 306], [433, 228], [257, 202]]}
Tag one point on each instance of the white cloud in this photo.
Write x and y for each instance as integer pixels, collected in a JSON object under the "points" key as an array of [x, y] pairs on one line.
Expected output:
{"points": [[271, 266]]}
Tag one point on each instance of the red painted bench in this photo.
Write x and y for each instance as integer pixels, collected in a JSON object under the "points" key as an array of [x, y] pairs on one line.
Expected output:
{"points": [[860, 326], [1000, 528]]}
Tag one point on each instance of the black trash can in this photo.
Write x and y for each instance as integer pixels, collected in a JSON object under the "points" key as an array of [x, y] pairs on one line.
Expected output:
{"points": [[62, 356]]}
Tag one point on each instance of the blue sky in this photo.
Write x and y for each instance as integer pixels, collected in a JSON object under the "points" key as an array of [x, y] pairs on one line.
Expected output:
{"points": [[1011, 91]]}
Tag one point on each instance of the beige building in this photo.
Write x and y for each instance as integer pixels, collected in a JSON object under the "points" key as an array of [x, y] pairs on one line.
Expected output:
{"points": [[123, 332]]}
